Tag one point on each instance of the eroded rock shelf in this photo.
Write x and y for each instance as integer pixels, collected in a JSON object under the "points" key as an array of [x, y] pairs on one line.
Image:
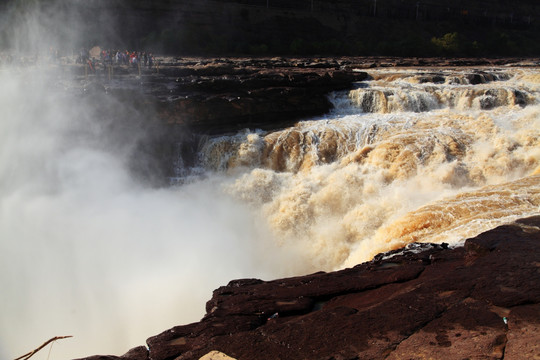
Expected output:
{"points": [[479, 301]]}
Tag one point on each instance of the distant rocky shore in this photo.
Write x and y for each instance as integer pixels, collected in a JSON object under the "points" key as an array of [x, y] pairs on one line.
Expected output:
{"points": [[216, 95], [427, 301], [185, 98]]}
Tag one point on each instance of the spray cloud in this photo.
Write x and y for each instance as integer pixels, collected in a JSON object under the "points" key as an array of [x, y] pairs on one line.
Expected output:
{"points": [[86, 247]]}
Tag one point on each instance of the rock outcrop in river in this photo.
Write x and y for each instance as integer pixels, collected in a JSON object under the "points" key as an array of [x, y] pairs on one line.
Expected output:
{"points": [[222, 94]]}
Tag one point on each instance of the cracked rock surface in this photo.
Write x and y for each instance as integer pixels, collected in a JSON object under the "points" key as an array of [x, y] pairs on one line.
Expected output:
{"points": [[479, 301]]}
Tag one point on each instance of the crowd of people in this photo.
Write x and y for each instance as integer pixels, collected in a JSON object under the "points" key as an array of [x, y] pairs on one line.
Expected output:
{"points": [[117, 57], [93, 58]]}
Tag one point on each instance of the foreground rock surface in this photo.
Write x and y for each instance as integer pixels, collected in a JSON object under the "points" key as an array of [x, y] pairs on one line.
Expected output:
{"points": [[480, 301]]}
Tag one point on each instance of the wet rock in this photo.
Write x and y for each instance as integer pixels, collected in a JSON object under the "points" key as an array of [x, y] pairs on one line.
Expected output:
{"points": [[432, 78], [216, 96]]}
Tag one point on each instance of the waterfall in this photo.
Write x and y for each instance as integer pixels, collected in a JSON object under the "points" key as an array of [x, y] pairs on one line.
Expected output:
{"points": [[89, 249]]}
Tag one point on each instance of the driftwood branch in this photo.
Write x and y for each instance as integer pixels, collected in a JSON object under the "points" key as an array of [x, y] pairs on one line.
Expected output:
{"points": [[31, 353]]}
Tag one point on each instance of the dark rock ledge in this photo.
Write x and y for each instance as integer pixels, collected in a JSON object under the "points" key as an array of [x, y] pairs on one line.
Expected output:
{"points": [[215, 95], [479, 301], [186, 98], [218, 95]]}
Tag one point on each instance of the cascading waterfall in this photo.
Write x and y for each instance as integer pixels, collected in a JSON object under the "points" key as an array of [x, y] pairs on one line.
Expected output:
{"points": [[86, 250], [420, 93], [399, 151]]}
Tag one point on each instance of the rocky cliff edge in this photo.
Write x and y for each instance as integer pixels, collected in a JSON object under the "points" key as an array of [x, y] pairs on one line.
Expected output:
{"points": [[426, 301]]}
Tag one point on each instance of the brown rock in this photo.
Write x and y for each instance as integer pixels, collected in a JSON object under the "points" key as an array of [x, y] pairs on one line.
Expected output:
{"points": [[138, 353], [465, 329], [523, 330], [229, 98], [219, 95], [480, 301]]}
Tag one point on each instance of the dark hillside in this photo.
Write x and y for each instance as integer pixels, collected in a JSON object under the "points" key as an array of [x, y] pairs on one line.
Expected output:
{"points": [[339, 27], [299, 27]]}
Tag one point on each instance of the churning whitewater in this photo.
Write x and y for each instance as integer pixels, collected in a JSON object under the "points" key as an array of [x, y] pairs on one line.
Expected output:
{"points": [[87, 250], [407, 156]]}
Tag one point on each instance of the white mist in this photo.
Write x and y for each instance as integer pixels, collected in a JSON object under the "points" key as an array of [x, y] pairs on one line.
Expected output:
{"points": [[85, 249]]}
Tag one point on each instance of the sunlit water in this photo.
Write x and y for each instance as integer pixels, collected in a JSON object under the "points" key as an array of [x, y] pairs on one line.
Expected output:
{"points": [[405, 157], [87, 250]]}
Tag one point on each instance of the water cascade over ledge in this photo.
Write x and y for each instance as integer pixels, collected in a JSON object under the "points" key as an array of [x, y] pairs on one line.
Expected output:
{"points": [[89, 250], [398, 152]]}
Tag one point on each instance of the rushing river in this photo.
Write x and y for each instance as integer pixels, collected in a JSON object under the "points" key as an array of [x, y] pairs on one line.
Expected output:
{"points": [[408, 156], [87, 250]]}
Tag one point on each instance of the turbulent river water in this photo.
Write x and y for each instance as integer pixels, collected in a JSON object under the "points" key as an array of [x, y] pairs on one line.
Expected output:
{"points": [[434, 155]]}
